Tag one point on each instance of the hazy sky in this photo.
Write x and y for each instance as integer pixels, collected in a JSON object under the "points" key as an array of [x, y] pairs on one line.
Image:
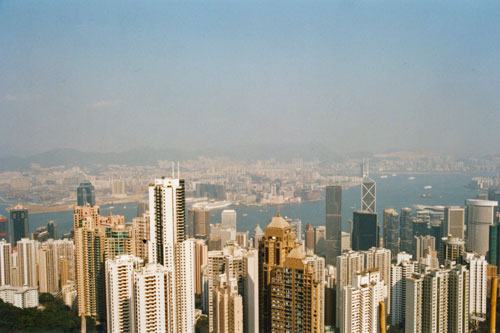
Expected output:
{"points": [[354, 75]]}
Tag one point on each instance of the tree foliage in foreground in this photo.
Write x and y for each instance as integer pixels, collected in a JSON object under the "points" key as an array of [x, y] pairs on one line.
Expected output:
{"points": [[55, 317]]}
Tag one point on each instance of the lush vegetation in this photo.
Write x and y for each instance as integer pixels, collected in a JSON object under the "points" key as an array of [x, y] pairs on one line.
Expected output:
{"points": [[54, 317]]}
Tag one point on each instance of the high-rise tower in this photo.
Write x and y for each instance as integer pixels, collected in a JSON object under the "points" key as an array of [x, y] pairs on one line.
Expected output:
{"points": [[365, 231], [480, 215], [168, 247], [19, 224], [333, 223], [85, 194], [368, 192], [290, 283], [406, 230], [391, 231]]}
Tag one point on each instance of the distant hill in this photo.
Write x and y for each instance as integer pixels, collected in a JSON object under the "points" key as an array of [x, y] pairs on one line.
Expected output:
{"points": [[148, 156]]}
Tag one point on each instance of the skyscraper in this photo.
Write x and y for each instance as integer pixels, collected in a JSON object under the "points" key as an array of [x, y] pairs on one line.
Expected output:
{"points": [[368, 195], [348, 263], [85, 194], [458, 314], [120, 298], [365, 231], [391, 231], [454, 222], [52, 229], [153, 290], [451, 248], [309, 237], [200, 260], [4, 228], [400, 271], [423, 245], [241, 264], [333, 223], [477, 266], [228, 218], [290, 283], [406, 230], [168, 247], [48, 267], [361, 303], [26, 263], [5, 263], [199, 222], [480, 215], [228, 306], [494, 245], [19, 224]]}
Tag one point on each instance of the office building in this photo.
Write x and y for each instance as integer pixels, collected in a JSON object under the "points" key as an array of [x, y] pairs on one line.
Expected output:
{"points": [[242, 238], [4, 228], [52, 230], [333, 202], [168, 247], [85, 194], [120, 298], [406, 230], [361, 303], [454, 222], [287, 271], [199, 222], [296, 225], [365, 231], [480, 216], [345, 242], [451, 248], [423, 245], [494, 245], [478, 267], [320, 240], [228, 306], [5, 263], [258, 234], [391, 231], [19, 224], [27, 253], [414, 303], [142, 208], [309, 237], [228, 218], [368, 195]]}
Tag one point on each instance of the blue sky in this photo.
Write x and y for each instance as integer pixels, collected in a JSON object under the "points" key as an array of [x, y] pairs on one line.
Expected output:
{"points": [[353, 75]]}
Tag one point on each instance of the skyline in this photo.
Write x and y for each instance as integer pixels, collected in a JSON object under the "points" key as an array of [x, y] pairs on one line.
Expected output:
{"points": [[352, 76]]}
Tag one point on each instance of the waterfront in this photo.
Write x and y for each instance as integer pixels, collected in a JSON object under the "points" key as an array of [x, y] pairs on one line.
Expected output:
{"points": [[393, 191]]}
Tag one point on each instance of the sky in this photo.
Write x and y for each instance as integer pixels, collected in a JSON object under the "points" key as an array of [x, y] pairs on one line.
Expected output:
{"points": [[369, 76]]}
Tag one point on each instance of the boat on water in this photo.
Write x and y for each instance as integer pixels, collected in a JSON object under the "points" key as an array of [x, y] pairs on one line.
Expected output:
{"points": [[384, 176], [427, 187], [426, 195], [394, 175], [411, 178], [244, 214]]}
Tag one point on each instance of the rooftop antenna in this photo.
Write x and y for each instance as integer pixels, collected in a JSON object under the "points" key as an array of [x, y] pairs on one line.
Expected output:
{"points": [[178, 171], [173, 170]]}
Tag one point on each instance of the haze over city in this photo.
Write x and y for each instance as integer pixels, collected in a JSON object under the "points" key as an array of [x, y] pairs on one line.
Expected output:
{"points": [[353, 76]]}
